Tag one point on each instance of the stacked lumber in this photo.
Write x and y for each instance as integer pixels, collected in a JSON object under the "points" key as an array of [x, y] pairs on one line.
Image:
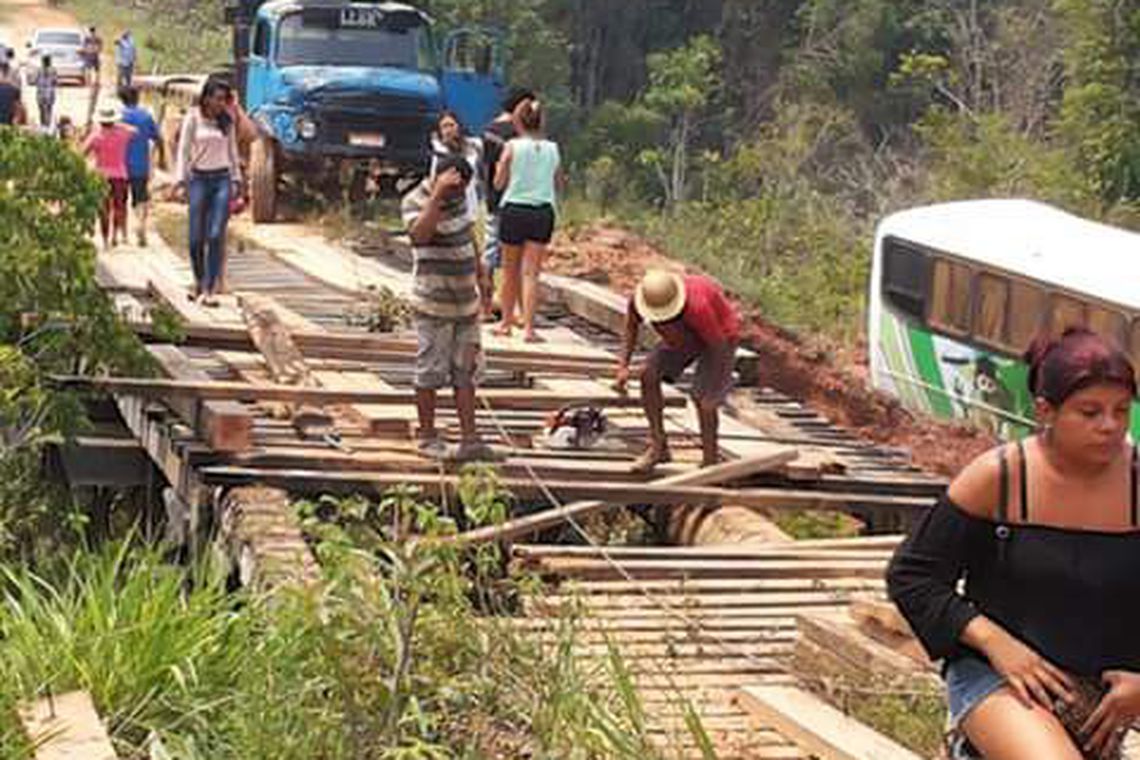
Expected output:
{"points": [[65, 727], [700, 623]]}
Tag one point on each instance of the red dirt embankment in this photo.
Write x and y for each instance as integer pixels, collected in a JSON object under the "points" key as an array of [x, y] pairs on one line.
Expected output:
{"points": [[830, 380]]}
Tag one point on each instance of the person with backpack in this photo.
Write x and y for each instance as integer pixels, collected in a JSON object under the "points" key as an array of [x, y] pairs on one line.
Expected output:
{"points": [[208, 171]]}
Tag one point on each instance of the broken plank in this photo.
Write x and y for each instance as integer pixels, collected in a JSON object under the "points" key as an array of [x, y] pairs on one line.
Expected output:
{"points": [[719, 473], [225, 425], [266, 325], [227, 390], [66, 727], [817, 727]]}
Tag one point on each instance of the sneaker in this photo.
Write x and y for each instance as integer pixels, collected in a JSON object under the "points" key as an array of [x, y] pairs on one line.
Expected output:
{"points": [[432, 448], [142, 238], [478, 451]]}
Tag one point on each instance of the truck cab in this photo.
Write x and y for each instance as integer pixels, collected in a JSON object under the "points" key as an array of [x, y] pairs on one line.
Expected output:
{"points": [[351, 86]]}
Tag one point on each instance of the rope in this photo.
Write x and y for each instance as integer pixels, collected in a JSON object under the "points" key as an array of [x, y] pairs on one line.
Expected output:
{"points": [[669, 610]]}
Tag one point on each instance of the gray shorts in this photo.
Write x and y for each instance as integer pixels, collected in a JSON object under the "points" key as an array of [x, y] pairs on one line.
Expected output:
{"points": [[449, 354], [715, 365]]}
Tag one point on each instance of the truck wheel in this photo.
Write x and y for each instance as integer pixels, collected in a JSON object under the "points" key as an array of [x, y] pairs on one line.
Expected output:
{"points": [[263, 180]]}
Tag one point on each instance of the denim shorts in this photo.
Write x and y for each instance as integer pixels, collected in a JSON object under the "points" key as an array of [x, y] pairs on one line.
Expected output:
{"points": [[969, 680]]}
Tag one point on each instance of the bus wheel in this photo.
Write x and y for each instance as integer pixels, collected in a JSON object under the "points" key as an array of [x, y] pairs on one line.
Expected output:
{"points": [[263, 180]]}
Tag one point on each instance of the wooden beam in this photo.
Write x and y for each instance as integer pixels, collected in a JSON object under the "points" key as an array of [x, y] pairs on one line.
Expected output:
{"points": [[817, 727], [66, 727], [235, 391], [286, 364], [375, 347], [223, 424], [523, 526], [262, 536]]}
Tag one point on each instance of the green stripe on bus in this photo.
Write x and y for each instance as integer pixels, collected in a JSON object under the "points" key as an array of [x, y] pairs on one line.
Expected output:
{"points": [[922, 346], [896, 348]]}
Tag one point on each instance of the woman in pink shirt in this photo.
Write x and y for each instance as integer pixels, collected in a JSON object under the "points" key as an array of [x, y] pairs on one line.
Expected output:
{"points": [[108, 144]]}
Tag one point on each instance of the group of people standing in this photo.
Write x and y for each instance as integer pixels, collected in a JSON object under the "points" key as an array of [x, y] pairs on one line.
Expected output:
{"points": [[126, 57], [518, 170], [120, 147], [515, 171]]}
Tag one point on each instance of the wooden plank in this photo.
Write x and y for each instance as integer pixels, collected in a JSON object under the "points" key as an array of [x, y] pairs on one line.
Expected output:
{"points": [[67, 727], [598, 568], [362, 469], [376, 419], [235, 391], [673, 553], [373, 348], [882, 622], [716, 474], [286, 364], [865, 657], [817, 727], [225, 425]]}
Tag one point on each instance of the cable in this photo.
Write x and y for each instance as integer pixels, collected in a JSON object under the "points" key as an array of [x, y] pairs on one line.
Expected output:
{"points": [[644, 590]]}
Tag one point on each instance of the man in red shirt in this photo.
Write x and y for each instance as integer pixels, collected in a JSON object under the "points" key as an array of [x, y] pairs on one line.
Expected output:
{"points": [[696, 323]]}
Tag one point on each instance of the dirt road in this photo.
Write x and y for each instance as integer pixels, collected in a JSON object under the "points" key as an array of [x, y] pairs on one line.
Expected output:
{"points": [[18, 20]]}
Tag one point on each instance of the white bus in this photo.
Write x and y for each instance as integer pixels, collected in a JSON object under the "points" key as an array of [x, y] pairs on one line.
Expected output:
{"points": [[959, 289]]}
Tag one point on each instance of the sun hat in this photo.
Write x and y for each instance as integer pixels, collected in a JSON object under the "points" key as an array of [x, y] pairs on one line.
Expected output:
{"points": [[108, 113], [660, 296]]}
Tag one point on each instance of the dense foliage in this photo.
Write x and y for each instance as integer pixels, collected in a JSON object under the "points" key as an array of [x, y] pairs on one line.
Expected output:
{"points": [[762, 139], [390, 655], [54, 319]]}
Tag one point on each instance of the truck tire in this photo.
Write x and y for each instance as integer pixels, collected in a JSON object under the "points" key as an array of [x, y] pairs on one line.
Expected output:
{"points": [[263, 180]]}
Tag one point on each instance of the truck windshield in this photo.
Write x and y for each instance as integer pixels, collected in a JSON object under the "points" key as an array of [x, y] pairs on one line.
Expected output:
{"points": [[301, 44]]}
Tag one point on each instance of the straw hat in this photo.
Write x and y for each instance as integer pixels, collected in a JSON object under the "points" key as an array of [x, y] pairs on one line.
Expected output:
{"points": [[108, 113], [660, 296]]}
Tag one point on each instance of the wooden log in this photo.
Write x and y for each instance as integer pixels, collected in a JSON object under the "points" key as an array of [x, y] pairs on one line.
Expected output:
{"points": [[234, 391], [286, 364], [719, 473], [882, 621], [261, 535], [258, 469], [817, 727], [225, 425], [66, 727]]}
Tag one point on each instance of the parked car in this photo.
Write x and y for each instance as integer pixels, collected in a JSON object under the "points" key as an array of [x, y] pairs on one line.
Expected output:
{"points": [[65, 46]]}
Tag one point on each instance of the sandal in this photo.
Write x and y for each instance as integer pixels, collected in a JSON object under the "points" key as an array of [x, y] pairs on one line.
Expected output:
{"points": [[648, 461]]}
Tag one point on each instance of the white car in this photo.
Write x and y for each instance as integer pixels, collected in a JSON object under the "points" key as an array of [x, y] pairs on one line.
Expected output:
{"points": [[65, 46]]}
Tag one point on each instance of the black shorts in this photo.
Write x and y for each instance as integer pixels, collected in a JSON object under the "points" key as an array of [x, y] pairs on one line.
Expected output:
{"points": [[520, 224], [140, 190]]}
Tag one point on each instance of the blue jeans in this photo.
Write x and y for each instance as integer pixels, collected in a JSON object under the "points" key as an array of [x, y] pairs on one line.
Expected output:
{"points": [[209, 195]]}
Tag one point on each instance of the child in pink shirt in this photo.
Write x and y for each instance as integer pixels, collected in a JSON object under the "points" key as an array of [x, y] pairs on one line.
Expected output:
{"points": [[108, 145]]}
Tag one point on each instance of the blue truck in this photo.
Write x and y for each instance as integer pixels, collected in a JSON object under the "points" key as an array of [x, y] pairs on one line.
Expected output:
{"points": [[346, 88]]}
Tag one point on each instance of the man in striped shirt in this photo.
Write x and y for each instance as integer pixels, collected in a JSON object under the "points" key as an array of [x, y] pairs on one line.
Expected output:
{"points": [[447, 284]]}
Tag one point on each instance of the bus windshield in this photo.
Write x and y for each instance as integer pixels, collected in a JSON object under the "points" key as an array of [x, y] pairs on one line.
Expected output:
{"points": [[303, 44]]}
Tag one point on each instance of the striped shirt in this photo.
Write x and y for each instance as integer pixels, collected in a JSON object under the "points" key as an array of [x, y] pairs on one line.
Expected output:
{"points": [[444, 274]]}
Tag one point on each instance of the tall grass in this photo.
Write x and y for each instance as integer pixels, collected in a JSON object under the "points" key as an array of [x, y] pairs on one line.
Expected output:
{"points": [[387, 656]]}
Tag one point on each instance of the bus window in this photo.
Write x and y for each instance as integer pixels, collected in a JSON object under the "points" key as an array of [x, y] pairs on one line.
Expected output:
{"points": [[950, 297], [906, 272], [1066, 312], [1026, 314], [992, 308], [1108, 324]]}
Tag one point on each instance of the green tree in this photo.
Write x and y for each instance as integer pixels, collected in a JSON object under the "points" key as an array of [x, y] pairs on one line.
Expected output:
{"points": [[54, 318], [1100, 110], [682, 82]]}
